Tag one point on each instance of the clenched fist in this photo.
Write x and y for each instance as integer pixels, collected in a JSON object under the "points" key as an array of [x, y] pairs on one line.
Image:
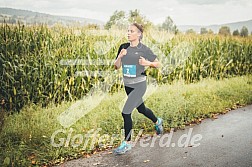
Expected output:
{"points": [[122, 53], [143, 61]]}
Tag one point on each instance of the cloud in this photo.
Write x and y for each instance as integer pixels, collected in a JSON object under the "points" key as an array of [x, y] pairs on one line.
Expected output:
{"points": [[202, 2], [214, 2]]}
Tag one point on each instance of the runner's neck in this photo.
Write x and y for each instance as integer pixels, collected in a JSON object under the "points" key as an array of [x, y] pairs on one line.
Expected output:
{"points": [[134, 43]]}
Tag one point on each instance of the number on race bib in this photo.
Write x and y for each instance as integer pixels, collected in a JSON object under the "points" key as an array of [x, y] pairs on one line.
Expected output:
{"points": [[129, 70]]}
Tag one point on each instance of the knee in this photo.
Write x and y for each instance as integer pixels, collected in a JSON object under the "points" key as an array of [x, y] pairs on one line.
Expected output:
{"points": [[125, 116], [141, 109]]}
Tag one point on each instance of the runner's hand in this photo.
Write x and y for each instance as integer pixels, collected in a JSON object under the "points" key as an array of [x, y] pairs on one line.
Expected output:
{"points": [[123, 53], [143, 61]]}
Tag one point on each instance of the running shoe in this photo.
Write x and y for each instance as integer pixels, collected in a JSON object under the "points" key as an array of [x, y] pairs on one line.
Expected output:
{"points": [[159, 127], [123, 148]]}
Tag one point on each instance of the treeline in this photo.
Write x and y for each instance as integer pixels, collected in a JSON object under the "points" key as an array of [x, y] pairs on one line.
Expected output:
{"points": [[121, 19], [224, 30]]}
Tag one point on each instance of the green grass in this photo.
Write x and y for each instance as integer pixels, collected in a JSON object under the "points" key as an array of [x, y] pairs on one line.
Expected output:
{"points": [[26, 136]]}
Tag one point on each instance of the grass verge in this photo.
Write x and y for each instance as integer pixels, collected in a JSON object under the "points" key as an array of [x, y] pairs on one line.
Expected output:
{"points": [[26, 137]]}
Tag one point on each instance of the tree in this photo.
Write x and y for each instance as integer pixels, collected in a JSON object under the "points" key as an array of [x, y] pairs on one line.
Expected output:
{"points": [[224, 30], [118, 18], [236, 33], [93, 26], [13, 19], [168, 25], [203, 31], [135, 16], [244, 31], [210, 31], [190, 31]]}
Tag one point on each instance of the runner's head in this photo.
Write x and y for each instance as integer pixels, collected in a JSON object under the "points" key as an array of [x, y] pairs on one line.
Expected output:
{"points": [[135, 32]]}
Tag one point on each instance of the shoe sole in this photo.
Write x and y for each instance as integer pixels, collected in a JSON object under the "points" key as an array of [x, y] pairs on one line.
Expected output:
{"points": [[120, 153]]}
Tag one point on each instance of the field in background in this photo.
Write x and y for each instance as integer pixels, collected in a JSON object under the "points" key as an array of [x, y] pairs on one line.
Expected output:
{"points": [[38, 63]]}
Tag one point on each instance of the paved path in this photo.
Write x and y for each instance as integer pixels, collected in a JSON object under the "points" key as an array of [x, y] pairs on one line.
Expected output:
{"points": [[225, 142]]}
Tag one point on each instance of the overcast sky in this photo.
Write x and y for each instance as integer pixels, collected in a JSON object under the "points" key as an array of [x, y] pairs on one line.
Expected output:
{"points": [[183, 12]]}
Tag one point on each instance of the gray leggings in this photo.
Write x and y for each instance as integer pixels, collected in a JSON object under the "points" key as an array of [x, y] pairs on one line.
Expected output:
{"points": [[135, 97], [135, 93]]}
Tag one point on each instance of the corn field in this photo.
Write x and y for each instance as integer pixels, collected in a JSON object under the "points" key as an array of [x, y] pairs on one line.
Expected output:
{"points": [[32, 71]]}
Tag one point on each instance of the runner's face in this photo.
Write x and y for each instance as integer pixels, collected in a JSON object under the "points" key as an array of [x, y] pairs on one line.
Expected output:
{"points": [[133, 33]]}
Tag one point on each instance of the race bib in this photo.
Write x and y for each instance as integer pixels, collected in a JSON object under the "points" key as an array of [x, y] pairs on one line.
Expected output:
{"points": [[129, 70]]}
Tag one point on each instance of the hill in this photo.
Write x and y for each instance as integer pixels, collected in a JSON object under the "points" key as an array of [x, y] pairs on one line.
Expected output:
{"points": [[29, 17], [11, 15], [215, 28]]}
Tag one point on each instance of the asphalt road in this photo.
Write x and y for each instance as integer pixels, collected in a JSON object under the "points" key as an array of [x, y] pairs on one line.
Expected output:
{"points": [[225, 142]]}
